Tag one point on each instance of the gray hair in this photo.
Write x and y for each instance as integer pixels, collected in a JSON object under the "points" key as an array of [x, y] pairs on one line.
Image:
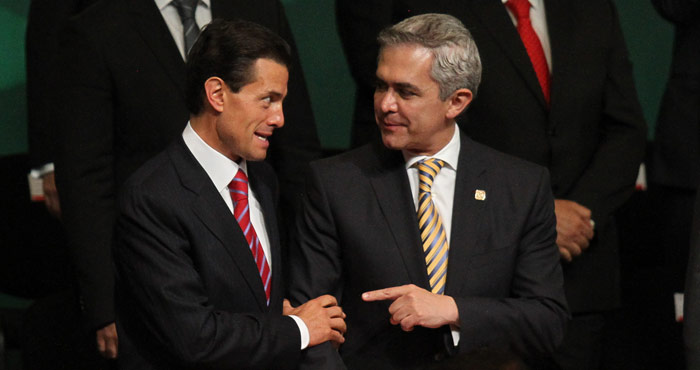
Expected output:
{"points": [[456, 63]]}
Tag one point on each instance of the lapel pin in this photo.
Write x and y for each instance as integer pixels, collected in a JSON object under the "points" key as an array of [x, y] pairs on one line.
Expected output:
{"points": [[480, 194]]}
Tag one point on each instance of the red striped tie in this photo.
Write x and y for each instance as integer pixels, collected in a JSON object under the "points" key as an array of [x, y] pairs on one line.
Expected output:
{"points": [[521, 10], [239, 194]]}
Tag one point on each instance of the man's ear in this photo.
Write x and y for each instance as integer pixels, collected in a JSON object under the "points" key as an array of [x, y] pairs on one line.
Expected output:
{"points": [[214, 88], [458, 102]]}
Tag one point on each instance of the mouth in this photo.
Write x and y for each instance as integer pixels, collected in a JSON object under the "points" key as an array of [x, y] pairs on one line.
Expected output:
{"points": [[390, 124], [263, 136]]}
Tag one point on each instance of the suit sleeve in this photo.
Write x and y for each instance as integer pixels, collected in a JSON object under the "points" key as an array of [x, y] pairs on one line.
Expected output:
{"points": [[297, 143], [691, 309], [359, 24], [84, 170], [165, 302], [316, 265], [45, 21], [532, 319], [608, 181]]}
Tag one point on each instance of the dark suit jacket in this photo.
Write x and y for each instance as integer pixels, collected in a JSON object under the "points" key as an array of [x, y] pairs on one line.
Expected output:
{"points": [[45, 21], [691, 303], [676, 156], [188, 291], [592, 136], [359, 232], [122, 101]]}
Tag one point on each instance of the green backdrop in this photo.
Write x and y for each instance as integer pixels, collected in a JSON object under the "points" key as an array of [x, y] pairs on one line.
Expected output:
{"points": [[648, 36]]}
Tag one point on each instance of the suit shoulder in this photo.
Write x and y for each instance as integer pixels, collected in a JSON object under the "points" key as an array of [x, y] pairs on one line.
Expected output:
{"points": [[98, 14], [499, 160], [152, 175], [360, 158]]}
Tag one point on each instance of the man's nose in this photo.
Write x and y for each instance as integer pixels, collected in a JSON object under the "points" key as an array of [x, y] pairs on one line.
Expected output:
{"points": [[276, 119], [388, 101]]}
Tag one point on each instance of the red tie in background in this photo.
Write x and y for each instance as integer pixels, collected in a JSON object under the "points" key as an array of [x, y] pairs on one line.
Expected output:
{"points": [[239, 194], [521, 10]]}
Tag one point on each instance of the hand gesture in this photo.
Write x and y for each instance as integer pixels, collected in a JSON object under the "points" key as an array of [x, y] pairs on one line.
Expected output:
{"points": [[414, 306]]}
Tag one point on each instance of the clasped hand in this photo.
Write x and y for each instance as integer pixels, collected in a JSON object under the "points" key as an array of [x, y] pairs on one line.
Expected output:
{"points": [[574, 228], [323, 317]]}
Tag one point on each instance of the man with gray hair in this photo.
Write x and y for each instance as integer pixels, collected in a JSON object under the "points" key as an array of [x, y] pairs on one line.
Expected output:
{"points": [[434, 244]]}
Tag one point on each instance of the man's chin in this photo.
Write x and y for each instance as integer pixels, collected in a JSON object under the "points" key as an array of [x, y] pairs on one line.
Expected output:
{"points": [[391, 142], [256, 157]]}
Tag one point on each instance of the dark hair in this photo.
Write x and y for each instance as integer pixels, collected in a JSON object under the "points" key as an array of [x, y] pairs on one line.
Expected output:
{"points": [[228, 50]]}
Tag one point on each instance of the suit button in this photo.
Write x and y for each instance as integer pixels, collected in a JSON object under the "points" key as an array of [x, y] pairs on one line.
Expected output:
{"points": [[439, 356], [551, 132]]}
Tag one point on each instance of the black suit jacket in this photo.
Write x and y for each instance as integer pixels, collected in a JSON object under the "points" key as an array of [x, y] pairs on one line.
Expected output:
{"points": [[676, 155], [188, 291], [592, 135], [121, 102], [359, 232], [45, 21], [691, 303]]}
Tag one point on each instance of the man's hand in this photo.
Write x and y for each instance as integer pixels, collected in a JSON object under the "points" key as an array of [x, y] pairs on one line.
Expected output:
{"points": [[322, 316], [51, 194], [107, 343], [414, 306], [574, 228]]}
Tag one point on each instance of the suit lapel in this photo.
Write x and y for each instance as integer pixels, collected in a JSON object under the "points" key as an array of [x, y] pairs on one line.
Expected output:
{"points": [[216, 216], [560, 23], [494, 18], [393, 192], [149, 23], [468, 219]]}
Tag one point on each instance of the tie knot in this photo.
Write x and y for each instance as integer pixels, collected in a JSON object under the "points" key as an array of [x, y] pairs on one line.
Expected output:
{"points": [[521, 8], [239, 186], [185, 8], [427, 170]]}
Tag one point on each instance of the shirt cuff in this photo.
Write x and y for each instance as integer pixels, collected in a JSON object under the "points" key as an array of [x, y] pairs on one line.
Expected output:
{"points": [[39, 172], [303, 330], [455, 334]]}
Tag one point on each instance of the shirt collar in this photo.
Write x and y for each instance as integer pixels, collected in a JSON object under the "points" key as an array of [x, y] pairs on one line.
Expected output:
{"points": [[221, 169], [163, 3], [449, 153]]}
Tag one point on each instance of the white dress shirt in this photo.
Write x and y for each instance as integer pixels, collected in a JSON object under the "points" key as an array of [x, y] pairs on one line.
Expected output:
{"points": [[221, 170], [443, 188], [202, 15], [538, 18]]}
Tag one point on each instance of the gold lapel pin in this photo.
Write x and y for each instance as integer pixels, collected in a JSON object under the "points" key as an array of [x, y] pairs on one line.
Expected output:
{"points": [[480, 194]]}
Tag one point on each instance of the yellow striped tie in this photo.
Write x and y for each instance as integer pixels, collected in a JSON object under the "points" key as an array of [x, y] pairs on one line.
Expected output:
{"points": [[432, 232]]}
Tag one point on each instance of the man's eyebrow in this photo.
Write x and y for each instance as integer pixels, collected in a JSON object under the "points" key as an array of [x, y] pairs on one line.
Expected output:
{"points": [[405, 86], [396, 85], [274, 93]]}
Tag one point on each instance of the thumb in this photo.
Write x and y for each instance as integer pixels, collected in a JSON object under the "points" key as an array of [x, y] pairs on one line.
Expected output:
{"points": [[286, 306]]}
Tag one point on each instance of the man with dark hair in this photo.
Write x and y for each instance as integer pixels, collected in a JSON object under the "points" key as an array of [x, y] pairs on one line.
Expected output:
{"points": [[198, 256], [121, 100], [434, 244]]}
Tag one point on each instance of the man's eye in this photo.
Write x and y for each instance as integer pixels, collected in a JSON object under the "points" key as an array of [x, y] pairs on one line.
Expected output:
{"points": [[267, 100], [406, 93]]}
